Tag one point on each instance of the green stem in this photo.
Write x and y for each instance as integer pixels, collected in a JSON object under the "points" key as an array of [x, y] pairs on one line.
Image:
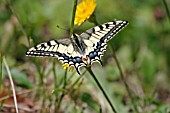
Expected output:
{"points": [[101, 88], [37, 63], [39, 91], [55, 85], [41, 83], [167, 9], [73, 17], [93, 19], [20, 25], [65, 78], [124, 81], [72, 86], [62, 95], [55, 75]]}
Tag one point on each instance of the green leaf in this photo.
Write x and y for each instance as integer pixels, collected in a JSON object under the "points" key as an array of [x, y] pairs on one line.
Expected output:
{"points": [[21, 79], [87, 98]]}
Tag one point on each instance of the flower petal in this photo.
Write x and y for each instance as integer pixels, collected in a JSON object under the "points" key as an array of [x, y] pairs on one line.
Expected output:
{"points": [[84, 11]]}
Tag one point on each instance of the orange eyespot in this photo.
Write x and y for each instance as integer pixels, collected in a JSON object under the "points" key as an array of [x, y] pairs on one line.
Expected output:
{"points": [[84, 59]]}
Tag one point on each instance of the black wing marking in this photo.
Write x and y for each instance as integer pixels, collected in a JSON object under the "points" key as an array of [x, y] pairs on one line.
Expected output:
{"points": [[62, 49], [96, 38]]}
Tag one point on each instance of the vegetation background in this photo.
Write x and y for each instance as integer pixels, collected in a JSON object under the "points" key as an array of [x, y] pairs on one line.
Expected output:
{"points": [[142, 49]]}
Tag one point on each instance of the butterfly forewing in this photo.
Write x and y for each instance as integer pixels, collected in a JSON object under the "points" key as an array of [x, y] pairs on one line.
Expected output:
{"points": [[103, 32], [50, 48], [96, 38]]}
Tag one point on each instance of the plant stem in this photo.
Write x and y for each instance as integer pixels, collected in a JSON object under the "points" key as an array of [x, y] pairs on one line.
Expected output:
{"points": [[72, 86], [40, 84], [101, 88], [65, 79], [37, 63], [167, 9], [73, 17], [63, 93], [55, 75], [55, 85], [124, 81]]}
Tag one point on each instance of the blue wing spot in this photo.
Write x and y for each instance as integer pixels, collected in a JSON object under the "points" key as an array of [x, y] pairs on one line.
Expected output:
{"points": [[97, 50], [78, 59], [99, 46], [70, 59], [74, 60], [91, 55], [95, 53]]}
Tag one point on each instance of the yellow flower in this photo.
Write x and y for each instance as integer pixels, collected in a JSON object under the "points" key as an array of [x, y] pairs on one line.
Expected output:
{"points": [[84, 11]]}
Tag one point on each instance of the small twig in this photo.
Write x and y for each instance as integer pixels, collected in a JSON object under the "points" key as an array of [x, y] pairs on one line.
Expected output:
{"points": [[101, 88], [12, 84]]}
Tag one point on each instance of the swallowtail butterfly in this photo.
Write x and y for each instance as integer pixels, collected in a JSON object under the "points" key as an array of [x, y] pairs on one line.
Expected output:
{"points": [[80, 50]]}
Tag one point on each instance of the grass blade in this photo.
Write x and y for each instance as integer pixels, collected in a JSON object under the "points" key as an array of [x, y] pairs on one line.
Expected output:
{"points": [[12, 84]]}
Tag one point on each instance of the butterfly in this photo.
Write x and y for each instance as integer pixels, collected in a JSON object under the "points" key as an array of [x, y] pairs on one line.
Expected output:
{"points": [[80, 50]]}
